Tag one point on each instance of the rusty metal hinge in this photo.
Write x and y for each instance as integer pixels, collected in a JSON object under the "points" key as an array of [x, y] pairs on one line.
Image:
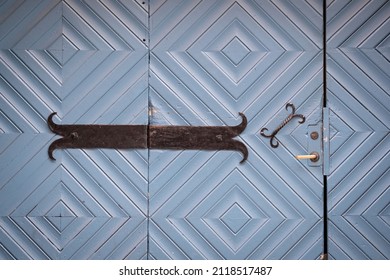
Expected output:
{"points": [[147, 137]]}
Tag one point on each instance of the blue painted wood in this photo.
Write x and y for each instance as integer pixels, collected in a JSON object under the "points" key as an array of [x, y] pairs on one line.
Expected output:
{"points": [[88, 61], [209, 61], [358, 97], [198, 63]]}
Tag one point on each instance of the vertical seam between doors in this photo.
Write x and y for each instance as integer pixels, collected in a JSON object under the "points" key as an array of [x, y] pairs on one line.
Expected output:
{"points": [[324, 105]]}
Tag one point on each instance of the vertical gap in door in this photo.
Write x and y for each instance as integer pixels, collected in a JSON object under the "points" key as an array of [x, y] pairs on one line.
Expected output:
{"points": [[149, 121], [324, 104]]}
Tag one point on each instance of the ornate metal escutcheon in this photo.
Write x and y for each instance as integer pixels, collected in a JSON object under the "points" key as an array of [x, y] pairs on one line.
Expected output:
{"points": [[148, 137]]}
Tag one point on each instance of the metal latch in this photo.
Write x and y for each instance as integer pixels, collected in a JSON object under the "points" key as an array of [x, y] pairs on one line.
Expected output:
{"points": [[314, 146]]}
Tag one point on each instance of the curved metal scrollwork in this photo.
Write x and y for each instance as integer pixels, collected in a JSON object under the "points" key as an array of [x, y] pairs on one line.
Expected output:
{"points": [[273, 141]]}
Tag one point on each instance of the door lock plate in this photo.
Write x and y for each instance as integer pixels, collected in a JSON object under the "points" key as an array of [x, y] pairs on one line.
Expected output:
{"points": [[314, 143]]}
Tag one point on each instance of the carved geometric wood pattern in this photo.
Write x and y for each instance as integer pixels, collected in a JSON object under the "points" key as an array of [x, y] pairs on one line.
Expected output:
{"points": [[87, 61], [197, 63], [236, 57], [358, 95]]}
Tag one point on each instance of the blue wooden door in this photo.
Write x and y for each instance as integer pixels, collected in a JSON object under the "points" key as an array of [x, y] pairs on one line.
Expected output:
{"points": [[87, 61], [358, 87], [196, 63], [209, 61]]}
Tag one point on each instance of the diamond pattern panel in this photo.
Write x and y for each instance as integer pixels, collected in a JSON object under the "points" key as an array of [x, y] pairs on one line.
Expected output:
{"points": [[209, 61], [31, 26], [86, 60], [236, 51], [358, 93]]}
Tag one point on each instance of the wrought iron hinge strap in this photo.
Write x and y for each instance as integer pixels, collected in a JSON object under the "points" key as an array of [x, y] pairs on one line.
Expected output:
{"points": [[148, 137], [85, 136], [198, 137]]}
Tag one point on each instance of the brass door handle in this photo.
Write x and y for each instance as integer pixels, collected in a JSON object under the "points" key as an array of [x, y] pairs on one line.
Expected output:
{"points": [[314, 156]]}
